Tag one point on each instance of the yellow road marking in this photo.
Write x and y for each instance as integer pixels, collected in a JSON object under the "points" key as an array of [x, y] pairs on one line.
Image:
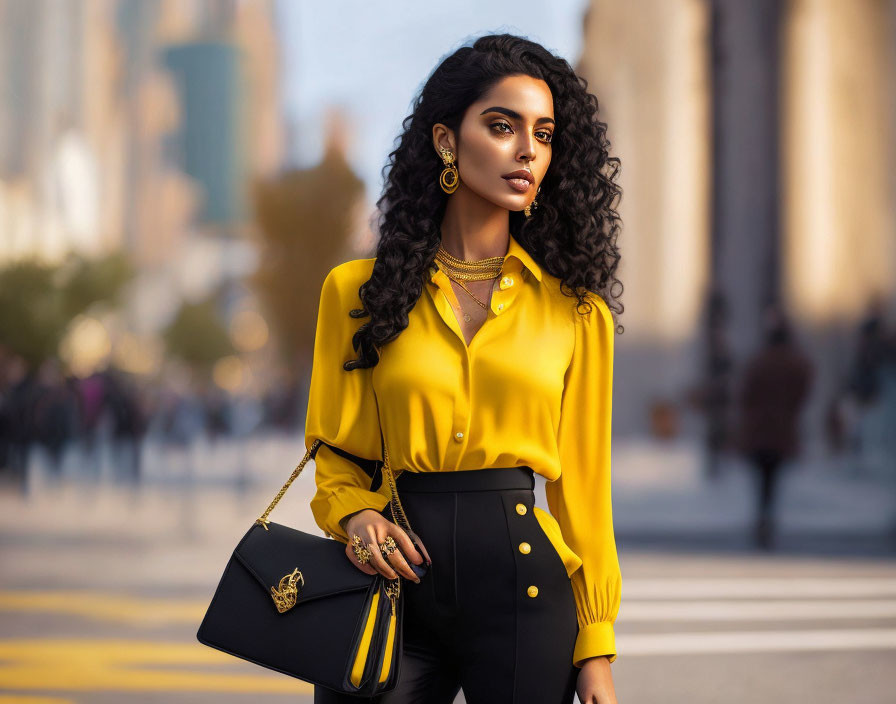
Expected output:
{"points": [[127, 665], [135, 611]]}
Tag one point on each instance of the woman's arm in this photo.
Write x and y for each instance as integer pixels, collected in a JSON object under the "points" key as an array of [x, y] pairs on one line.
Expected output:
{"points": [[342, 408], [580, 499]]}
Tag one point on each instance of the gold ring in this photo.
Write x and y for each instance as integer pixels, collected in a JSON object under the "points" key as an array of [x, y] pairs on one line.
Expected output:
{"points": [[362, 552], [388, 546]]}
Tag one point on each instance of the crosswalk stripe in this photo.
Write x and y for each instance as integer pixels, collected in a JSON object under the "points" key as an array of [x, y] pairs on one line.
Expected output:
{"points": [[132, 665], [137, 610], [754, 610], [119, 608], [774, 587], [640, 644]]}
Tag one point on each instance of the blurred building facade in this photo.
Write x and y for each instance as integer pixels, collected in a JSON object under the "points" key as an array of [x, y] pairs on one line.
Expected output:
{"points": [[758, 142], [757, 145]]}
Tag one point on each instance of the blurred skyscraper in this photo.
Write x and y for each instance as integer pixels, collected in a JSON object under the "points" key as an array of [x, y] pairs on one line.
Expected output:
{"points": [[137, 125]]}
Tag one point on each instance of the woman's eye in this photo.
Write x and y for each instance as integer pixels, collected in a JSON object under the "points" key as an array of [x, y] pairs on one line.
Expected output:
{"points": [[546, 137]]}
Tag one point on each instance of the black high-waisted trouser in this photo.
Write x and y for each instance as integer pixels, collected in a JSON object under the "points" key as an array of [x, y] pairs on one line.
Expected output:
{"points": [[474, 621]]}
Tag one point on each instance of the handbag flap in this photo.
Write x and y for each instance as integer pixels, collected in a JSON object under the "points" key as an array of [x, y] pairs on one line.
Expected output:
{"points": [[270, 555]]}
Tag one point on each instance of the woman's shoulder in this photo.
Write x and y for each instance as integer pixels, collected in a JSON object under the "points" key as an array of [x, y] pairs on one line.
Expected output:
{"points": [[346, 278], [597, 310]]}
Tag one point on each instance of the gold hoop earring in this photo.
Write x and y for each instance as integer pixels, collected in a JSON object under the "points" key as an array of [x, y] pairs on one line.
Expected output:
{"points": [[528, 209], [449, 180]]}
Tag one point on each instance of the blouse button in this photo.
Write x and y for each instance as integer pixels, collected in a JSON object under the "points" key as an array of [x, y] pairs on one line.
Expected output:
{"points": [[521, 509], [525, 548], [458, 436], [500, 306], [532, 591], [506, 281]]}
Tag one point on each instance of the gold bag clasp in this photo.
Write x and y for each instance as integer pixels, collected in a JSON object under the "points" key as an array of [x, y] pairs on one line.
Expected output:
{"points": [[285, 594]]}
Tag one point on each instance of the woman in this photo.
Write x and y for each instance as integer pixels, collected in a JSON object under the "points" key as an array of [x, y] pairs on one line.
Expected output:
{"points": [[486, 357]]}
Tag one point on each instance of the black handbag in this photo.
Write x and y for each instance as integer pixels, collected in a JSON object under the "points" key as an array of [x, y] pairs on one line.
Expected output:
{"points": [[292, 602]]}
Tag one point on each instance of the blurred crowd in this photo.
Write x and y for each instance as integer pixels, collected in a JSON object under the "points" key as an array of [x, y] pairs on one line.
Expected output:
{"points": [[755, 412], [46, 409]]}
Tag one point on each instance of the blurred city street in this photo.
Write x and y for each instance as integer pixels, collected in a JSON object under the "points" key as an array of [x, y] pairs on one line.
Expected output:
{"points": [[179, 179], [108, 581]]}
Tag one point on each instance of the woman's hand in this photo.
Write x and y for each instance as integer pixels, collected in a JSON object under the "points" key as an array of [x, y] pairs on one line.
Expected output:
{"points": [[374, 528], [595, 683]]}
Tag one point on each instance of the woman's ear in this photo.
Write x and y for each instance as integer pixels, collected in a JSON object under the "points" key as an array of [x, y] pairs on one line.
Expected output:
{"points": [[443, 136]]}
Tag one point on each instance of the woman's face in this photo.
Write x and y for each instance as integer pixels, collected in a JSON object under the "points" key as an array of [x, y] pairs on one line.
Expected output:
{"points": [[508, 129]]}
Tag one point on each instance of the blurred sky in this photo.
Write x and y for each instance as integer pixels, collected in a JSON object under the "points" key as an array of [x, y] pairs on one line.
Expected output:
{"points": [[370, 59]]}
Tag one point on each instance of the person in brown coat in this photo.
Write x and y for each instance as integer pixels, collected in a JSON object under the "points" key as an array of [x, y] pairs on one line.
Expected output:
{"points": [[773, 391]]}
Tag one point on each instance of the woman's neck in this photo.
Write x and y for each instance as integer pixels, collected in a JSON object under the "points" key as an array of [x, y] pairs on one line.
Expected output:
{"points": [[474, 228]]}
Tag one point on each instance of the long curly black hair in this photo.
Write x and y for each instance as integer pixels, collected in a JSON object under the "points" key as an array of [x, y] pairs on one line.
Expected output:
{"points": [[572, 233]]}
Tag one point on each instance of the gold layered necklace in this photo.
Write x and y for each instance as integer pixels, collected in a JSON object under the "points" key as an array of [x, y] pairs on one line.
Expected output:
{"points": [[461, 270]]}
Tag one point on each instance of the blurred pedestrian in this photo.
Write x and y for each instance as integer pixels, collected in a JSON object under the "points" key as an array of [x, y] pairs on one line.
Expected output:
{"points": [[129, 424], [772, 394], [53, 412], [15, 390], [867, 386]]}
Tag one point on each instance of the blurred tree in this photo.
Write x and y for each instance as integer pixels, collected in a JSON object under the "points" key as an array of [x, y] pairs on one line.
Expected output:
{"points": [[89, 281], [306, 219], [197, 335], [39, 300]]}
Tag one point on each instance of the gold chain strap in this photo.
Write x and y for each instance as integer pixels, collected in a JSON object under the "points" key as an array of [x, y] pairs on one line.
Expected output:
{"points": [[394, 502]]}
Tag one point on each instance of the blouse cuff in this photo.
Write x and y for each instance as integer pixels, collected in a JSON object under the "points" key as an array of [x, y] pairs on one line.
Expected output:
{"points": [[349, 500], [593, 640]]}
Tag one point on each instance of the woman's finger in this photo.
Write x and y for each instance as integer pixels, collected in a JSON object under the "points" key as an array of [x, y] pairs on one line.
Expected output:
{"points": [[416, 539], [376, 557], [396, 559], [405, 543], [365, 568]]}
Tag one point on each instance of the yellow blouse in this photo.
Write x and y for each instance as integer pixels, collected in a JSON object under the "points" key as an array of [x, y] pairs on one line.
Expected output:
{"points": [[533, 388]]}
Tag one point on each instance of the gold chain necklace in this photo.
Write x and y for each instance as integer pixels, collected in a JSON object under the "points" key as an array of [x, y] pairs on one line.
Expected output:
{"points": [[460, 270]]}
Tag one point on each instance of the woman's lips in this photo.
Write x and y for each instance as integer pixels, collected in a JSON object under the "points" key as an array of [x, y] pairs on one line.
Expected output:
{"points": [[518, 184]]}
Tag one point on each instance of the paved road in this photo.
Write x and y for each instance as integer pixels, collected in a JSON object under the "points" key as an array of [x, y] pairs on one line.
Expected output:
{"points": [[102, 588]]}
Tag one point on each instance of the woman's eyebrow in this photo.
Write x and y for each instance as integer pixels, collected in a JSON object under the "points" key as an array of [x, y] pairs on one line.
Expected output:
{"points": [[515, 115]]}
